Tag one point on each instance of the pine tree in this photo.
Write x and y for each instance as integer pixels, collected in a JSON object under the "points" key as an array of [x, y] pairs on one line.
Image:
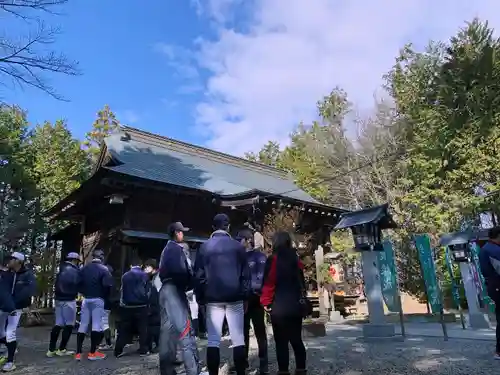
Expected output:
{"points": [[104, 125]]}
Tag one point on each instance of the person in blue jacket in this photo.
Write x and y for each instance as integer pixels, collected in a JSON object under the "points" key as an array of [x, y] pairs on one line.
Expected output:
{"points": [[489, 262], [20, 283], [176, 329], [255, 311], [222, 284], [65, 292], [134, 301], [95, 288]]}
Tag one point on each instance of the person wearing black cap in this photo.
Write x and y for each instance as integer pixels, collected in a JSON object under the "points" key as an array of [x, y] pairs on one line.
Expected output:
{"points": [[66, 289], [255, 312], [222, 283], [176, 329], [96, 286]]}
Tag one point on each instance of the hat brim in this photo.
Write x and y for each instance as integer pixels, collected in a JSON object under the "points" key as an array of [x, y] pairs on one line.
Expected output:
{"points": [[184, 229]]}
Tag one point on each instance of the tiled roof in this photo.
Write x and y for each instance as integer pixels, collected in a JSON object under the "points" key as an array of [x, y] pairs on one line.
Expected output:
{"points": [[161, 159], [376, 215]]}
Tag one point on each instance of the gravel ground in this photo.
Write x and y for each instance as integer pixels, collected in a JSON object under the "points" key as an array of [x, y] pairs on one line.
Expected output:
{"points": [[339, 353]]}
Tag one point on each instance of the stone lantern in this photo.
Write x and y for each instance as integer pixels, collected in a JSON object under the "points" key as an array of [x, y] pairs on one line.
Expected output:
{"points": [[459, 245], [366, 226]]}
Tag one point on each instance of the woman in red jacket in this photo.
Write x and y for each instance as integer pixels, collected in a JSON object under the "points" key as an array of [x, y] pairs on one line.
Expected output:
{"points": [[282, 296]]}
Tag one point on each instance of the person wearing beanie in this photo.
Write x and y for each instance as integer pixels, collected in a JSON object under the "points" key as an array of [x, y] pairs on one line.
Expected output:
{"points": [[20, 282], [65, 292], [95, 288], [222, 284]]}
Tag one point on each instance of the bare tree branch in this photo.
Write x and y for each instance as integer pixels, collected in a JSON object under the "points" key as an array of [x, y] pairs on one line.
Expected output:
{"points": [[26, 61], [19, 8]]}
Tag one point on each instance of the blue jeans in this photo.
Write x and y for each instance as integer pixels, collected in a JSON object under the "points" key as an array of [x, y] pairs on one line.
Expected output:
{"points": [[176, 331]]}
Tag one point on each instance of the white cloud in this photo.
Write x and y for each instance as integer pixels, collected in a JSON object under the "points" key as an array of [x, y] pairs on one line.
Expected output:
{"points": [[128, 116], [266, 79], [183, 63]]}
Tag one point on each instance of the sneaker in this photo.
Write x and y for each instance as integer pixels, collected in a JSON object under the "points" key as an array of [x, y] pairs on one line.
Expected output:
{"points": [[97, 356], [8, 367], [119, 355], [78, 357], [50, 354], [497, 356], [105, 347], [144, 354], [204, 373], [64, 353]]}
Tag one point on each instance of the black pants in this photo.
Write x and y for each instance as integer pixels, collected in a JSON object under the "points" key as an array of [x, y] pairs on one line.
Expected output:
{"points": [[288, 330], [132, 318], [494, 293], [154, 336], [255, 314]]}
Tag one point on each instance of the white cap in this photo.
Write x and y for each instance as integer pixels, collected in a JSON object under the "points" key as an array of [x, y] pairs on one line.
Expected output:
{"points": [[73, 256], [18, 256]]}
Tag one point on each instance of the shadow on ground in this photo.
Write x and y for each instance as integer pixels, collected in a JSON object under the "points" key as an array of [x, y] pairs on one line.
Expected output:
{"points": [[341, 352]]}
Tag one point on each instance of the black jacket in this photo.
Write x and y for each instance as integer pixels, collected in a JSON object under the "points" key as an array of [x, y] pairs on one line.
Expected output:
{"points": [[174, 267], [96, 280], [154, 318], [135, 288], [67, 282], [221, 270], [21, 286]]}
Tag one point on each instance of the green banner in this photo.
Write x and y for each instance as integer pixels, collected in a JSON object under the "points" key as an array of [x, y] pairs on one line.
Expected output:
{"points": [[454, 286], [423, 245], [474, 249], [388, 276]]}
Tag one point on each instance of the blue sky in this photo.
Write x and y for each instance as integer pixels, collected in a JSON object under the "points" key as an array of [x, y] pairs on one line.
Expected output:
{"points": [[117, 50], [233, 74]]}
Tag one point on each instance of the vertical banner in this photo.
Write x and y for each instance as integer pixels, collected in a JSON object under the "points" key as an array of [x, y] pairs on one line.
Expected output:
{"points": [[476, 271], [423, 245], [388, 277], [454, 287]]}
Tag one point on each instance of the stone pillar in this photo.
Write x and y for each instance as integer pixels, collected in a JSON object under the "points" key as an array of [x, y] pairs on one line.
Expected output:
{"points": [[477, 319], [377, 327], [319, 258]]}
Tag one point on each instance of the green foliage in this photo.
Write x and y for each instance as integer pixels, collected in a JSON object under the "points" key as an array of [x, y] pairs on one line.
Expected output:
{"points": [[432, 151], [59, 162], [105, 124]]}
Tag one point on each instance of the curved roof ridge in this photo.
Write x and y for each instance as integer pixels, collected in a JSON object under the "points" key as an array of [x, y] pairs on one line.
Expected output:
{"points": [[185, 147]]}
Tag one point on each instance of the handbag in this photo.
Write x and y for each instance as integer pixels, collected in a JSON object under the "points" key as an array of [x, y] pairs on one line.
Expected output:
{"points": [[306, 307]]}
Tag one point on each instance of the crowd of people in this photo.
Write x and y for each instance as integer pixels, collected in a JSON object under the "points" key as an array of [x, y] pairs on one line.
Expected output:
{"points": [[231, 282]]}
